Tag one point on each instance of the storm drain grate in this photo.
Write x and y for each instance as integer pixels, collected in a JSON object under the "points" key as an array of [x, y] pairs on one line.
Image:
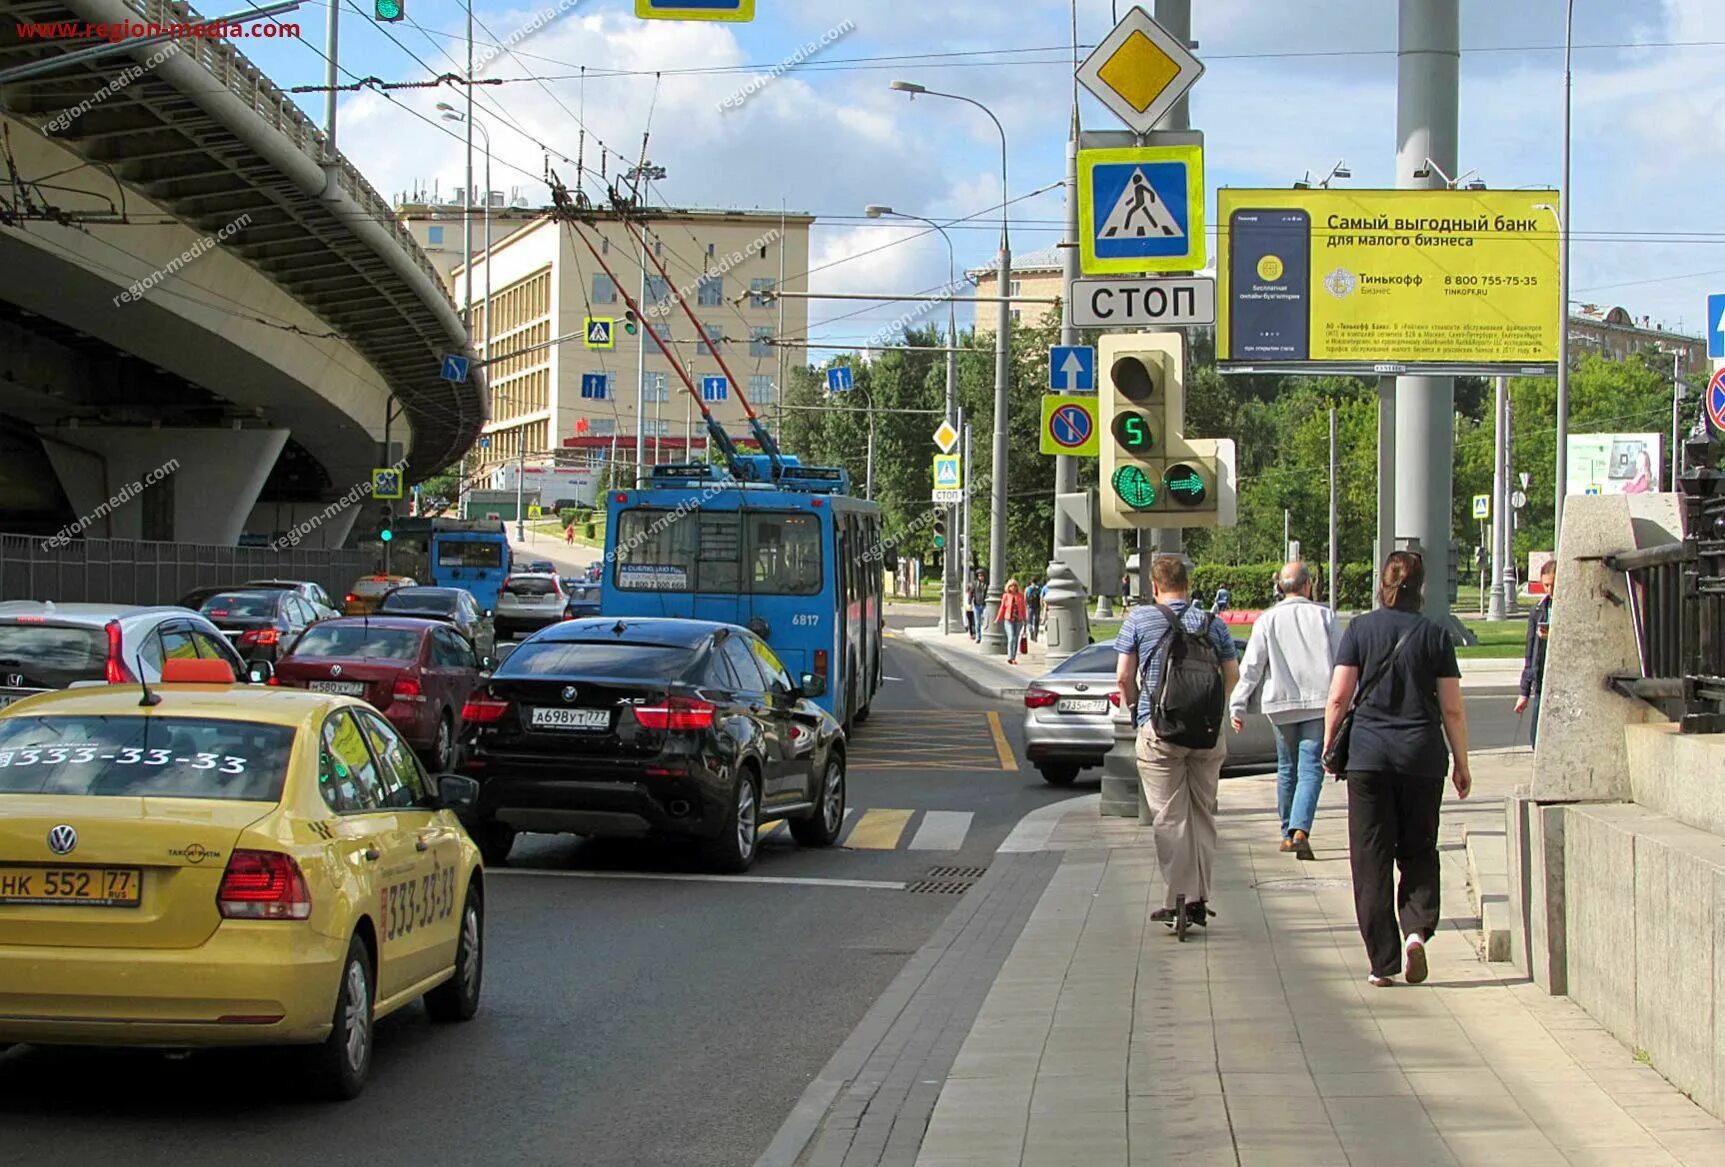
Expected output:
{"points": [[950, 881]]}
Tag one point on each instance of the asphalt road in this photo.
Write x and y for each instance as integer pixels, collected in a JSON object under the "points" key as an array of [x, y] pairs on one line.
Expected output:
{"points": [[656, 1021]]}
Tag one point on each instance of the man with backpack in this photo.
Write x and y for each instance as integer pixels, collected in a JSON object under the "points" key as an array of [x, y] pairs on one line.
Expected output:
{"points": [[1033, 605], [1177, 664]]}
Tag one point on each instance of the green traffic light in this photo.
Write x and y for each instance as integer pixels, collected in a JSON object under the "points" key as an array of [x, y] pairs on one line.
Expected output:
{"points": [[386, 535], [1185, 484], [939, 542], [389, 10], [1134, 487], [1132, 432]]}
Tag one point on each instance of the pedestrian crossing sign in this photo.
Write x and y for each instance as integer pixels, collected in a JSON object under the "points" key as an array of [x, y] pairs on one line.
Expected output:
{"points": [[948, 474], [1141, 209], [601, 332]]}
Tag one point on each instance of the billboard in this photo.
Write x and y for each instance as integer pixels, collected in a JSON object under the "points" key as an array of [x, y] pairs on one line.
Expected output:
{"points": [[1387, 281], [1614, 463]]}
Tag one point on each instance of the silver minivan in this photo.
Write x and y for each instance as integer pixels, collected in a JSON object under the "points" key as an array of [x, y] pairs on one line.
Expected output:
{"points": [[527, 602]]}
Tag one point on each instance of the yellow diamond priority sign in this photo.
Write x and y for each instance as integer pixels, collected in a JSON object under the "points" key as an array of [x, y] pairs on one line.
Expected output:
{"points": [[946, 437], [1140, 70]]}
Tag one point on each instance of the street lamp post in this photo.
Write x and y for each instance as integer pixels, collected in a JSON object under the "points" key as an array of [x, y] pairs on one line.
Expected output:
{"points": [[949, 597], [1564, 214], [450, 115], [994, 640]]}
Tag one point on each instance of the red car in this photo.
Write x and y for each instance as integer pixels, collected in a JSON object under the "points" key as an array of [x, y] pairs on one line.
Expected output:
{"points": [[418, 672]]}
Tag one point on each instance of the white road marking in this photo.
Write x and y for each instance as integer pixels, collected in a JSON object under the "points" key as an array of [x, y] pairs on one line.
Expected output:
{"points": [[695, 877], [942, 830]]}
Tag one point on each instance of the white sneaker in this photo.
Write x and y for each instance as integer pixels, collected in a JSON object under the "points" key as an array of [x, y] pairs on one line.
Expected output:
{"points": [[1378, 982], [1414, 960]]}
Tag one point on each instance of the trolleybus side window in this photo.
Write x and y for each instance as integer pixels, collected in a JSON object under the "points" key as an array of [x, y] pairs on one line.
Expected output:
{"points": [[785, 551]]}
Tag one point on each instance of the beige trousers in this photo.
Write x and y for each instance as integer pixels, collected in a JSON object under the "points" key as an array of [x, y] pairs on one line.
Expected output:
{"points": [[1180, 787]]}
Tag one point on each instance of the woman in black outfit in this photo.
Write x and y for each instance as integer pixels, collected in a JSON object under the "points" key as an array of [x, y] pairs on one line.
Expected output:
{"points": [[1404, 667]]}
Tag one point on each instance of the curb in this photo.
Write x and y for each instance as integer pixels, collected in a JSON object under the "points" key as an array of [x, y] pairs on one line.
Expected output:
{"points": [[952, 666]]}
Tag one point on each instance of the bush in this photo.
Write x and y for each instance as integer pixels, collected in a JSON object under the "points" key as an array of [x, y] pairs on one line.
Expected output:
{"points": [[591, 533], [1253, 585], [569, 516]]}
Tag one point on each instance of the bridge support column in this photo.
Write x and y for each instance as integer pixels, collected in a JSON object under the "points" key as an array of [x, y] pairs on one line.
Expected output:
{"points": [[169, 484]]}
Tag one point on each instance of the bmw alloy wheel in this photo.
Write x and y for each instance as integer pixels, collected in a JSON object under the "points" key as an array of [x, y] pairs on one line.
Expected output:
{"points": [[833, 796], [746, 816]]}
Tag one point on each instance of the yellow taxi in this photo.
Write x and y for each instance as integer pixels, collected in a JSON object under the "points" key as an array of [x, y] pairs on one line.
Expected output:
{"points": [[202, 863], [368, 591]]}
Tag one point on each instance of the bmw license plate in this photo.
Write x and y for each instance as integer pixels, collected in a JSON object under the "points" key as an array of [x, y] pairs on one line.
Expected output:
{"points": [[345, 688], [90, 887], [571, 718], [1082, 705]]}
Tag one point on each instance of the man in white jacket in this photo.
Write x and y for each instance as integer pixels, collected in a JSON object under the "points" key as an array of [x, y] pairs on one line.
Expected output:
{"points": [[1290, 656]]}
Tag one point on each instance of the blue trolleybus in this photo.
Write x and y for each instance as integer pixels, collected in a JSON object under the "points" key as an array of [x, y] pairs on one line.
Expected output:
{"points": [[795, 558], [471, 554]]}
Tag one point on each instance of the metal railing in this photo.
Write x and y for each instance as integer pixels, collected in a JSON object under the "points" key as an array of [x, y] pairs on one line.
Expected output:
{"points": [[129, 571], [1677, 602]]}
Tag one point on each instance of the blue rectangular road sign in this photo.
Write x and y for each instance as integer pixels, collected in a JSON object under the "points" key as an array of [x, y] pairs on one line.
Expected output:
{"points": [[695, 9], [595, 386], [714, 389], [1142, 210], [1716, 326], [454, 368], [1071, 368], [840, 379]]}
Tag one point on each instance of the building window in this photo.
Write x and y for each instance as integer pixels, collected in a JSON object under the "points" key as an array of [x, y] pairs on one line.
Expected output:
{"points": [[715, 389], [712, 249], [602, 427], [656, 386], [434, 235], [758, 338], [604, 246], [658, 290], [756, 288], [761, 389], [715, 336], [1015, 315], [1014, 286], [604, 290], [659, 247], [710, 291]]}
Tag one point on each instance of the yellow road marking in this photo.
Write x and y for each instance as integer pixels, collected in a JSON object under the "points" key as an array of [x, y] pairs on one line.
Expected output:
{"points": [[1001, 746], [878, 830]]}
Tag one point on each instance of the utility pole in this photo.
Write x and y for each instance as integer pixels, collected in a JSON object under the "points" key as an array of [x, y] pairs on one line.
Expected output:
{"points": [[1066, 466], [641, 376], [1499, 500], [1334, 526], [969, 549], [1427, 92]]}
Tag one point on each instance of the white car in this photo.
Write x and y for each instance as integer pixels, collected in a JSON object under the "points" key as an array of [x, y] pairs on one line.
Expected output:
{"points": [[527, 602]]}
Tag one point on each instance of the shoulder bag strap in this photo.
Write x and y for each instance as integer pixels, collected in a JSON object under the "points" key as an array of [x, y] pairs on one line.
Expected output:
{"points": [[1366, 686]]}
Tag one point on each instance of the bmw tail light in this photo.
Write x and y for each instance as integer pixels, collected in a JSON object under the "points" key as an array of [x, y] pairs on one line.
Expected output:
{"points": [[263, 885], [1039, 698], [483, 710], [677, 713], [118, 673]]}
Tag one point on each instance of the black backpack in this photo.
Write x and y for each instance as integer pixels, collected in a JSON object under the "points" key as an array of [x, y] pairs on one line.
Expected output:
{"points": [[1190, 701]]}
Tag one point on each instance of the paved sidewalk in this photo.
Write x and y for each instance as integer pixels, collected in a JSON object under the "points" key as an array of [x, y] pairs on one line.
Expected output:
{"points": [[1105, 1041], [992, 677]]}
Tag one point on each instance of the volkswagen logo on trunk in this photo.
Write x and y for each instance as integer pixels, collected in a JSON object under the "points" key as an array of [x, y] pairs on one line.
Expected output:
{"points": [[62, 839], [335, 670], [568, 692]]}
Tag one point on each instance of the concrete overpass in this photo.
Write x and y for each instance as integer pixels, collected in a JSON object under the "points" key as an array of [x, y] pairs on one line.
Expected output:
{"points": [[189, 276]]}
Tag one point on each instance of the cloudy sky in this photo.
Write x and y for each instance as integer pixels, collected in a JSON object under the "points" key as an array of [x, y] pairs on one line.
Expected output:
{"points": [[1292, 86]]}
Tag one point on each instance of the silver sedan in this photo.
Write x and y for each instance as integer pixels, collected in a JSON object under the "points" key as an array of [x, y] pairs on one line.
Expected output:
{"points": [[1069, 722]]}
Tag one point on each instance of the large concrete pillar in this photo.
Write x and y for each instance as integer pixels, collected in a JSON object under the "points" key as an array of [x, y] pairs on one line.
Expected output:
{"points": [[1427, 93], [169, 484]]}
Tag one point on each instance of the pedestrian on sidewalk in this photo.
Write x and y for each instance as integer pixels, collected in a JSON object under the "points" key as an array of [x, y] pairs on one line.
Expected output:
{"points": [[1176, 667], [1533, 661], [1289, 658], [569, 534], [979, 602], [1012, 613], [1033, 605], [1396, 672]]}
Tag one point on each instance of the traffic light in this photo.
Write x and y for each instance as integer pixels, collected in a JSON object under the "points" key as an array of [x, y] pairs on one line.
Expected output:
{"points": [[629, 323], [386, 531], [1151, 474], [389, 10], [939, 534]]}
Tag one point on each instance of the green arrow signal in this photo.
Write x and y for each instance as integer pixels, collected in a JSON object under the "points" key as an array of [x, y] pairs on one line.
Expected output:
{"points": [[1134, 487], [1185, 483]]}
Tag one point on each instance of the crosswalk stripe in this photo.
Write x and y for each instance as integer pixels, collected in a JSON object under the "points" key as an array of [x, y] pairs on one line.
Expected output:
{"points": [[878, 830], [941, 830]]}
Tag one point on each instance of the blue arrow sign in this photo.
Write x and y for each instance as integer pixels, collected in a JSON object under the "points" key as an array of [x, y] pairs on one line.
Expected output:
{"points": [[454, 367], [595, 386], [840, 379], [1071, 368], [1716, 326], [714, 389]]}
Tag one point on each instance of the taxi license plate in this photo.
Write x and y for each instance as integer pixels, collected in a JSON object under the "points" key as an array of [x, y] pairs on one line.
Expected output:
{"points": [[1082, 705], [571, 718], [345, 688], [90, 887]]}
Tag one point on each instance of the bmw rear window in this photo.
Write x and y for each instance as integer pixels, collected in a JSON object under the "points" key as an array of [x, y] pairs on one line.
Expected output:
{"points": [[41, 656], [144, 757], [608, 658]]}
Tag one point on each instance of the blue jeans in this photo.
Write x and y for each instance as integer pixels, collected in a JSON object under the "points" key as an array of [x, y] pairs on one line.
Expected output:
{"points": [[981, 613], [1299, 773], [1014, 632]]}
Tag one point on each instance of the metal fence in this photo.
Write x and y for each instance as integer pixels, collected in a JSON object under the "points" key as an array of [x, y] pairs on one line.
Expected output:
{"points": [[1677, 600], [131, 571]]}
